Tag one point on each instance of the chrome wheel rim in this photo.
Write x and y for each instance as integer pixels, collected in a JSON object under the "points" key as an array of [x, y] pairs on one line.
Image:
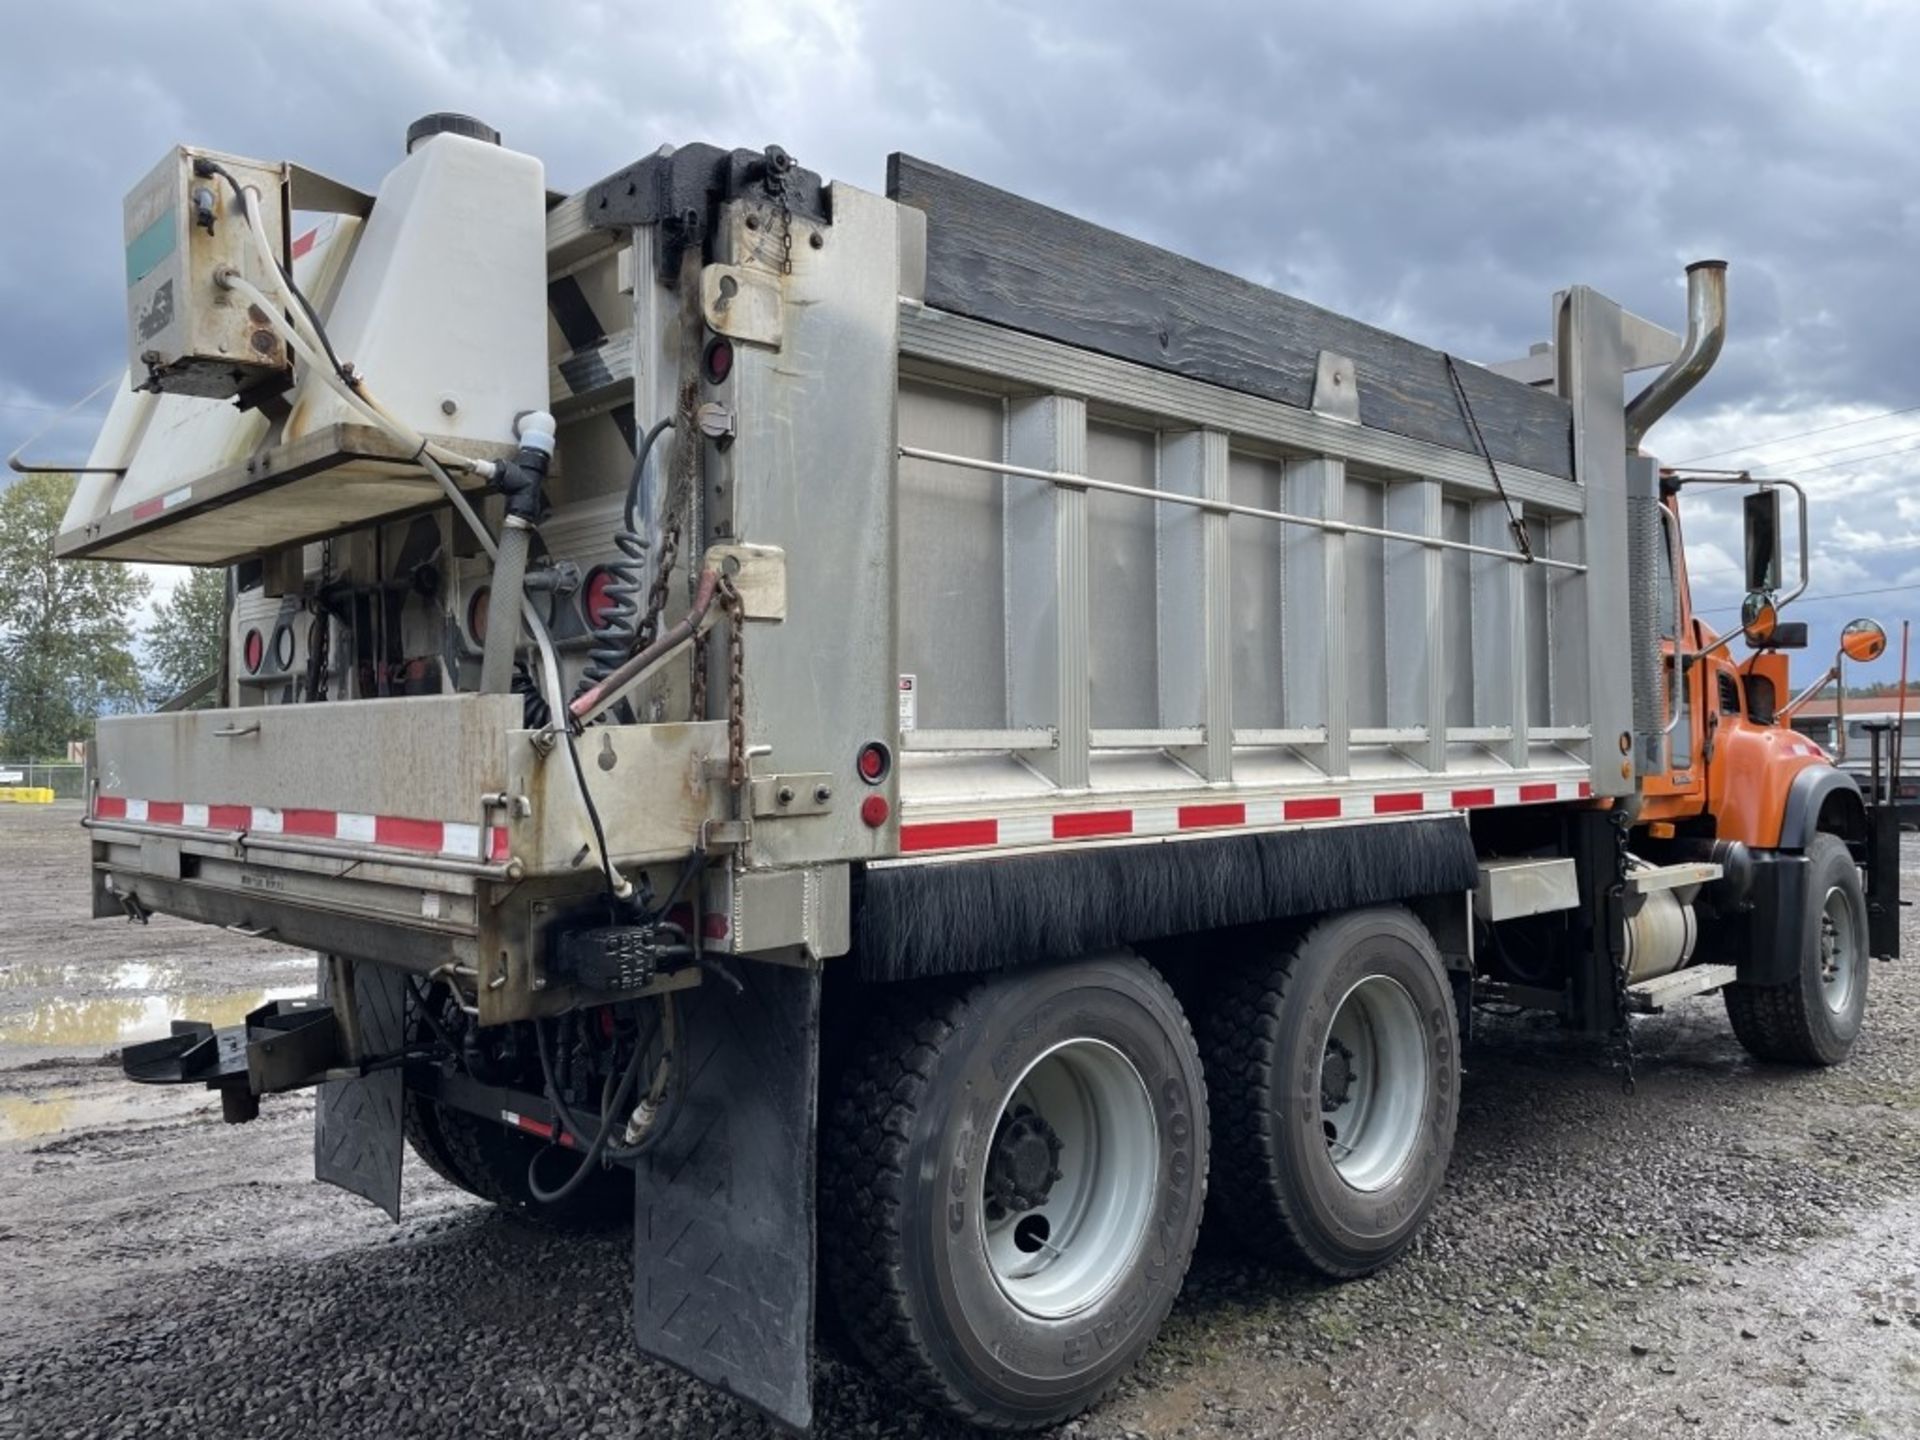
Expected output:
{"points": [[1067, 1189], [1839, 951], [1373, 1083]]}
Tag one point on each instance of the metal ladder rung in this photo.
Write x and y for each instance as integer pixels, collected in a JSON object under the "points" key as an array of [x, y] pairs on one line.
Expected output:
{"points": [[1650, 997], [1671, 877]]}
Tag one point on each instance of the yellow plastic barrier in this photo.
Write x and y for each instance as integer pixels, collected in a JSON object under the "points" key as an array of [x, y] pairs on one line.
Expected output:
{"points": [[26, 794]]}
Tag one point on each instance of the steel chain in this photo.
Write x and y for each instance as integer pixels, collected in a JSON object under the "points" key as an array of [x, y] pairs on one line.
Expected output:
{"points": [[1622, 1020], [736, 682], [657, 597], [774, 179]]}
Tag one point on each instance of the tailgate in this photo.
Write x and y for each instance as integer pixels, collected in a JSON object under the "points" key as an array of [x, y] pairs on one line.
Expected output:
{"points": [[418, 830]]}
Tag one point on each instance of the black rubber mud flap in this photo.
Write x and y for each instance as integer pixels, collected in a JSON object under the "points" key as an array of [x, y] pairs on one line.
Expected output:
{"points": [[723, 1219], [356, 1125]]}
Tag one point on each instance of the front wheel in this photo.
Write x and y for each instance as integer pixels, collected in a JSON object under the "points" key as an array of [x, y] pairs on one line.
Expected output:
{"points": [[1814, 1018], [1012, 1183], [1334, 1066]]}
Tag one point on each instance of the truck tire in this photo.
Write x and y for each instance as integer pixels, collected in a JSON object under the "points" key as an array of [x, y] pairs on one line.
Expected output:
{"points": [[1334, 1068], [1814, 1018], [1013, 1175]]}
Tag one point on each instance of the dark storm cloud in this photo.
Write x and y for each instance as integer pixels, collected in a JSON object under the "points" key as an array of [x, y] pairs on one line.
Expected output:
{"points": [[1438, 168]]}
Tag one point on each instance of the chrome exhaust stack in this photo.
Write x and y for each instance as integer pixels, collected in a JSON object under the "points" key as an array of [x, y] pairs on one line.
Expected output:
{"points": [[1706, 332]]}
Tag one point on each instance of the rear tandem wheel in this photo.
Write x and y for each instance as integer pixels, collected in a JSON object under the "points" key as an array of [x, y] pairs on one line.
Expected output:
{"points": [[1011, 1184]]}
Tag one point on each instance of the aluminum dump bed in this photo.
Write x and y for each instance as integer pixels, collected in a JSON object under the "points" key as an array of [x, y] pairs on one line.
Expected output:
{"points": [[1095, 543]]}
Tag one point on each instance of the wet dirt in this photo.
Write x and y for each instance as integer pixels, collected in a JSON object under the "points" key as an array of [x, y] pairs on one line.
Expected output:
{"points": [[1731, 1251]]}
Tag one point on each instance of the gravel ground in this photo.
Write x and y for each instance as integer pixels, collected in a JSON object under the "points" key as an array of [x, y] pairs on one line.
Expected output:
{"points": [[1733, 1250]]}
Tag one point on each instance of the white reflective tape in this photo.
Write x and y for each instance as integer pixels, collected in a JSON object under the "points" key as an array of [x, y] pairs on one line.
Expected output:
{"points": [[461, 840], [1506, 794], [136, 809], [194, 815], [1266, 812], [354, 827], [1026, 830], [266, 821], [1156, 819]]}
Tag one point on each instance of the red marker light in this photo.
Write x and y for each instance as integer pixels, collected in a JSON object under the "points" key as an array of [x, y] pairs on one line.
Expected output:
{"points": [[595, 603], [254, 648], [874, 810], [874, 762], [477, 613], [719, 360]]}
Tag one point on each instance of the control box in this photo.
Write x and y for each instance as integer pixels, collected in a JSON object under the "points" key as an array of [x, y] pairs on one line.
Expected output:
{"points": [[186, 334]]}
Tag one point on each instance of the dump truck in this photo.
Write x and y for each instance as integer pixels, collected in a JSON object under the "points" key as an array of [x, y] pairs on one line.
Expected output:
{"points": [[905, 747]]}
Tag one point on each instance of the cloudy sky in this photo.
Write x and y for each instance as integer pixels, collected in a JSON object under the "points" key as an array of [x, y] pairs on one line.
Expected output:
{"points": [[1436, 168]]}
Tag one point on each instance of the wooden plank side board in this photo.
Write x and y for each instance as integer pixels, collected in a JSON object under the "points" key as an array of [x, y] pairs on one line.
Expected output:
{"points": [[998, 257]]}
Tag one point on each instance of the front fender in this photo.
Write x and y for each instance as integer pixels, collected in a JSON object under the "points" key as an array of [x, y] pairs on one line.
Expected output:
{"points": [[1822, 798]]}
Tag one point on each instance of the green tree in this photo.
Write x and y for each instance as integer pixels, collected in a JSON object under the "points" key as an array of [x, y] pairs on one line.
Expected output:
{"points": [[66, 629], [188, 636]]}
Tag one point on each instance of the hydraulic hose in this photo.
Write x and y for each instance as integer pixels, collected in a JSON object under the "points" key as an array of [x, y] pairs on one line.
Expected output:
{"points": [[587, 1162], [668, 1086], [503, 630]]}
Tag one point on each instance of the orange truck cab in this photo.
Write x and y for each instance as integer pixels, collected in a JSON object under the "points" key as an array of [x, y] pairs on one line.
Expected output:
{"points": [[1741, 786]]}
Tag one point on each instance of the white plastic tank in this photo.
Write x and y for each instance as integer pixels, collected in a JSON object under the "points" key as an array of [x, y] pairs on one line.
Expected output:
{"points": [[443, 310]]}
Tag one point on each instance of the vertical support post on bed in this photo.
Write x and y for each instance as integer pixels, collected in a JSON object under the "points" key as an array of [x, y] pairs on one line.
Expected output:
{"points": [[1048, 619]]}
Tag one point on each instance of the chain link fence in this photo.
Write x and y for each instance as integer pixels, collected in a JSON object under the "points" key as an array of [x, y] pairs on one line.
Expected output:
{"points": [[66, 779]]}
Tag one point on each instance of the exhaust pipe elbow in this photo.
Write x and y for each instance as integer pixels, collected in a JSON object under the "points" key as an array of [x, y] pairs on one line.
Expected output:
{"points": [[1706, 332]]}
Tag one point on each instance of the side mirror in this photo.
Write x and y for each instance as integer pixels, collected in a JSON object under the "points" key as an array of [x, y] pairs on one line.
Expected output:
{"points": [[1863, 640], [1759, 619], [1762, 527]]}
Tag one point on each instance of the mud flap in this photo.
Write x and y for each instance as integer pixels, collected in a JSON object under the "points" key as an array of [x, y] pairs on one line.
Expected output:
{"points": [[723, 1219], [356, 1124]]}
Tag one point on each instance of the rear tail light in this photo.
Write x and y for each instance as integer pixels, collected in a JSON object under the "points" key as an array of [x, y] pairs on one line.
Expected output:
{"points": [[254, 650], [719, 360], [874, 762], [477, 613], [595, 603]]}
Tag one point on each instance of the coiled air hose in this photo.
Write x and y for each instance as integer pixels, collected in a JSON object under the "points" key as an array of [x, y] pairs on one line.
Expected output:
{"points": [[628, 580]]}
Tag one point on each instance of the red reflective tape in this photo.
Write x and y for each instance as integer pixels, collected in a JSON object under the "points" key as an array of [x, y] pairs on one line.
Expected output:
{"points": [[109, 807], [147, 509], [304, 243], [949, 834], [427, 835], [319, 824], [1530, 793], [497, 845], [1085, 824], [1586, 791], [1323, 807], [1201, 817], [230, 817], [1397, 804], [1465, 799], [165, 812]]}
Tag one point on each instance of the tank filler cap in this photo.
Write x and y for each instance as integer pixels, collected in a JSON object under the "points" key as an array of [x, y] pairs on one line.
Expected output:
{"points": [[446, 122]]}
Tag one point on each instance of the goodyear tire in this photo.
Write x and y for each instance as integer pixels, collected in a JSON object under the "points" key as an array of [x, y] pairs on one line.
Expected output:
{"points": [[1814, 1018], [1013, 1176], [1334, 1069]]}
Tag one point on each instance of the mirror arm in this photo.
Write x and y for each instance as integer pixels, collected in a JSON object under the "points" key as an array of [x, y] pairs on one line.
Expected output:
{"points": [[1786, 711]]}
